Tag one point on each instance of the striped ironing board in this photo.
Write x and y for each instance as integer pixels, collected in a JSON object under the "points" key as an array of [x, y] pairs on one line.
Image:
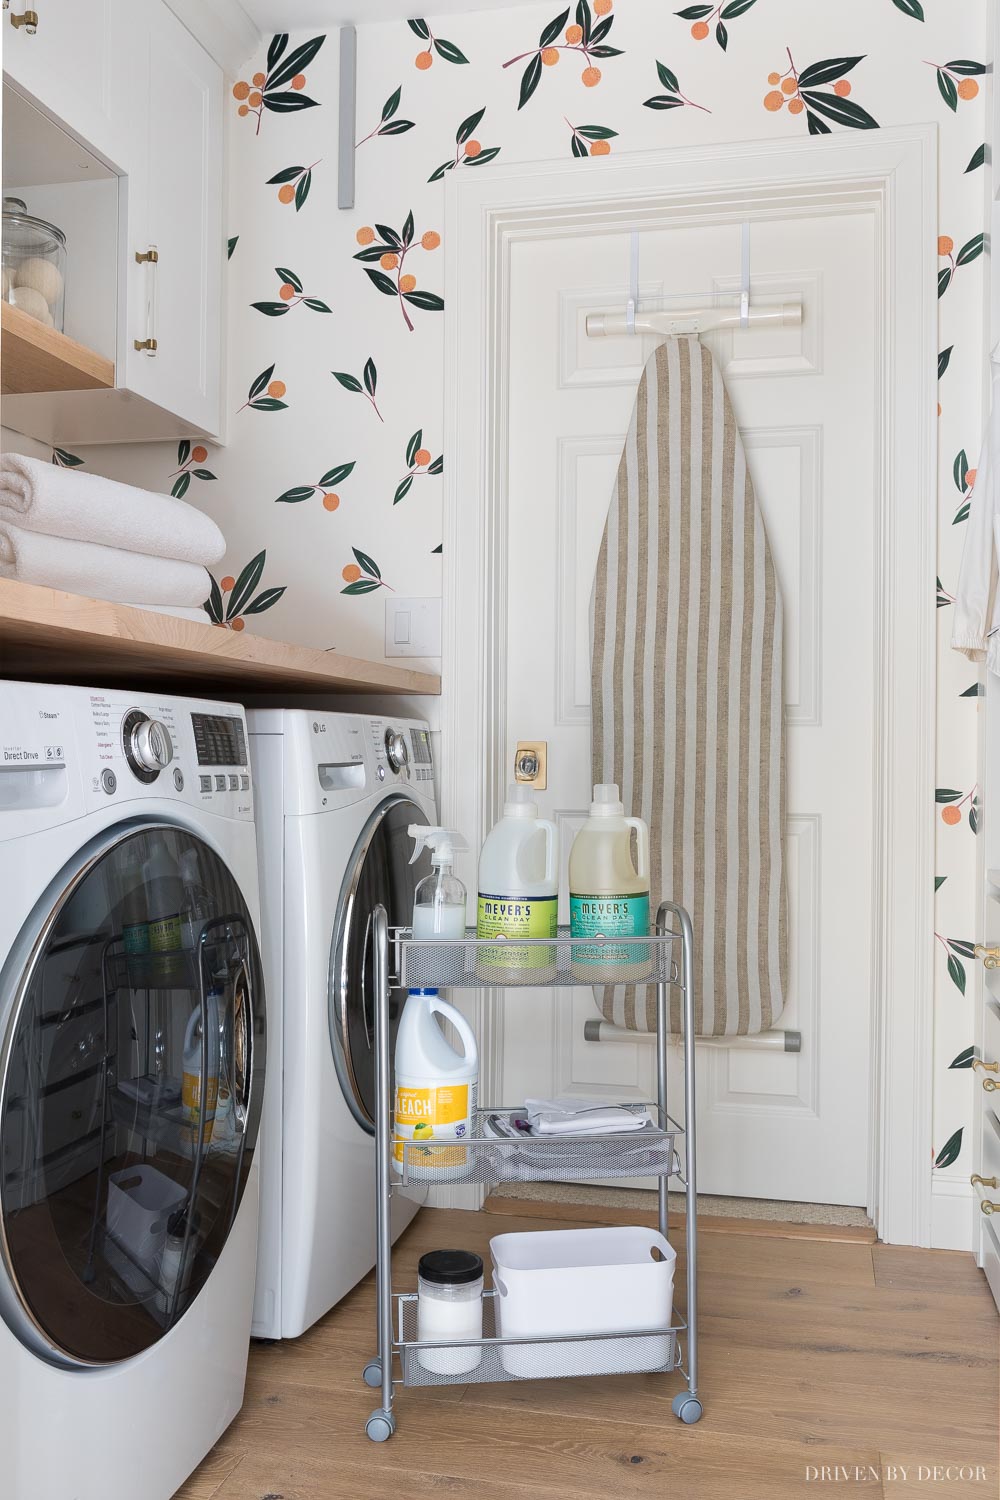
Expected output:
{"points": [[687, 713]]}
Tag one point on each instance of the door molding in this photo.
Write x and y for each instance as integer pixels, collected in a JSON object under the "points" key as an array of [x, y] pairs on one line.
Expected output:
{"points": [[894, 171]]}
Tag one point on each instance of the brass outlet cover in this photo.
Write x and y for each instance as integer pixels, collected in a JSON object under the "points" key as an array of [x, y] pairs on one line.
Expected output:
{"points": [[539, 749]]}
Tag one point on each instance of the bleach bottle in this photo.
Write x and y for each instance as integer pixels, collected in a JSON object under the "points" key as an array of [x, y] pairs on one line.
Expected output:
{"points": [[436, 1090], [519, 892]]}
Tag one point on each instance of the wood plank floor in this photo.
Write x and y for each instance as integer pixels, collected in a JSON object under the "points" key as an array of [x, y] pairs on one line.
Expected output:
{"points": [[813, 1352]]}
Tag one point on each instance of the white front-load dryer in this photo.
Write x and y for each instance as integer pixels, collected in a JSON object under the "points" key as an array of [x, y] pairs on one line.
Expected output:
{"points": [[336, 794], [132, 1045]]}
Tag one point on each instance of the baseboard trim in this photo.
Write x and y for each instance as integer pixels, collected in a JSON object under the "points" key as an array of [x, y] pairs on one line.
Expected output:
{"points": [[593, 1213]]}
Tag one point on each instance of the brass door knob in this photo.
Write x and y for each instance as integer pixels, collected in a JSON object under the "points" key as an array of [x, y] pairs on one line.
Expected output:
{"points": [[986, 1182], [28, 19], [990, 956], [989, 1207]]}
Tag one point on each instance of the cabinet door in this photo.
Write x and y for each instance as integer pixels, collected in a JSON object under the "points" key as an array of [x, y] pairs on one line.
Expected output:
{"points": [[175, 207], [76, 66]]}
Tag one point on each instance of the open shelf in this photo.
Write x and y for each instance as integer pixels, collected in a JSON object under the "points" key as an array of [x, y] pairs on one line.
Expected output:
{"points": [[38, 359], [47, 635]]}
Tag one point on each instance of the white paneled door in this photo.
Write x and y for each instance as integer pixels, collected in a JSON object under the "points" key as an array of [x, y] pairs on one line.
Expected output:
{"points": [[771, 1124]]}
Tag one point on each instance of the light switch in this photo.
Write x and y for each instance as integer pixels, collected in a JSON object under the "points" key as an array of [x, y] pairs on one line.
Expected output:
{"points": [[412, 627]]}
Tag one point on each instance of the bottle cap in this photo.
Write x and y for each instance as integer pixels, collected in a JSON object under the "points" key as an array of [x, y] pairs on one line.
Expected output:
{"points": [[442, 842], [450, 1267], [422, 991], [520, 801], [606, 803]]}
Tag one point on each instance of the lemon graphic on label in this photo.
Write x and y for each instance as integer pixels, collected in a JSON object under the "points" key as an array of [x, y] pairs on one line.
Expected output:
{"points": [[422, 1131]]}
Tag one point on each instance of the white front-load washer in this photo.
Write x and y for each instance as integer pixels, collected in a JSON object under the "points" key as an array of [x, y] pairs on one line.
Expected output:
{"points": [[336, 794], [132, 1044]]}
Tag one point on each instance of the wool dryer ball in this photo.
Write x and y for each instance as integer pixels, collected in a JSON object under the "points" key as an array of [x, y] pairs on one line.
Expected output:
{"points": [[42, 276], [30, 302]]}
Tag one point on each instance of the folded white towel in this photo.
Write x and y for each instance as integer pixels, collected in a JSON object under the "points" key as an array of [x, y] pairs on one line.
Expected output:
{"points": [[45, 498], [100, 572], [581, 1117]]}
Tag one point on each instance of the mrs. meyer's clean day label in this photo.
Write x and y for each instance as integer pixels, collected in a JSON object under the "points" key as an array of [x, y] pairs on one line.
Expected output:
{"points": [[609, 894], [518, 894]]}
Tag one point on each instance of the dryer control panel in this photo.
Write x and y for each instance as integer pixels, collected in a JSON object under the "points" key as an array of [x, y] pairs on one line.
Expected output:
{"points": [[351, 756]]}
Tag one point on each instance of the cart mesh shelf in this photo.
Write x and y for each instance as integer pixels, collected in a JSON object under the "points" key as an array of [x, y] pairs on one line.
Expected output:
{"points": [[479, 963], [485, 1158], [530, 1359]]}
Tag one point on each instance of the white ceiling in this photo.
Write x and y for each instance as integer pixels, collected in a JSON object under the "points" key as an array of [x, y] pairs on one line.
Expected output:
{"points": [[291, 15]]}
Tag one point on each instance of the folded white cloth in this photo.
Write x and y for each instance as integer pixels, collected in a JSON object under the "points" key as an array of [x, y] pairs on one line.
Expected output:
{"points": [[45, 498], [581, 1117], [100, 572]]}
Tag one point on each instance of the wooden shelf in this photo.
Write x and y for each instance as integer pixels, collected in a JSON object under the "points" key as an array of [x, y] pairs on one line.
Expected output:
{"points": [[49, 636], [36, 359]]}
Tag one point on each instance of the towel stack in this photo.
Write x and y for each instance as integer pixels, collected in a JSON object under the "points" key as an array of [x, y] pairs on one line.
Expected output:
{"points": [[90, 535], [583, 1117]]}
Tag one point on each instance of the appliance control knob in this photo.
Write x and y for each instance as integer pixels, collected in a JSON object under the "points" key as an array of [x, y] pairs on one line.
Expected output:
{"points": [[152, 746], [396, 749]]}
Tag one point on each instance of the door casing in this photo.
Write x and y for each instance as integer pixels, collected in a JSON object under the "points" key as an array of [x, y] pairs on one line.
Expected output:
{"points": [[894, 172]]}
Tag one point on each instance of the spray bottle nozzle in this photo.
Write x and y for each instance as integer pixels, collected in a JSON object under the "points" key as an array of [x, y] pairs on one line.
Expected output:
{"points": [[442, 842]]}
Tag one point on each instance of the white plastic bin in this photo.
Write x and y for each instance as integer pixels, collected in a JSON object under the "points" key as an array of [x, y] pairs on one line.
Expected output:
{"points": [[140, 1201], [574, 1281]]}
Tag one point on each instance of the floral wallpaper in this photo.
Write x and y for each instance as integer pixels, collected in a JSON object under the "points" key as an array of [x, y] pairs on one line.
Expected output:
{"points": [[329, 488]]}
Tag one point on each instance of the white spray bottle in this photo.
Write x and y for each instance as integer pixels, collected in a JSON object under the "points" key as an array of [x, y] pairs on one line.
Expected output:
{"points": [[439, 900]]}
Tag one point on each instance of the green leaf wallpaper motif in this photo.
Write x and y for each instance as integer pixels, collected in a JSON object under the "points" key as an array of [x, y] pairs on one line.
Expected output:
{"points": [[707, 17], [671, 98], [229, 611], [279, 89], [390, 248], [803, 93], [585, 36], [190, 463]]}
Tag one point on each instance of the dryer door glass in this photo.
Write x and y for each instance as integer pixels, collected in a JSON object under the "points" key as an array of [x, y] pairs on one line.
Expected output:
{"points": [[133, 1053], [378, 873]]}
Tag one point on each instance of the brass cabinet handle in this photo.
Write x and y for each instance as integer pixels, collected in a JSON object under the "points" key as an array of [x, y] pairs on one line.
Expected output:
{"points": [[150, 258], [987, 1182], [28, 19], [989, 1207], [990, 956]]}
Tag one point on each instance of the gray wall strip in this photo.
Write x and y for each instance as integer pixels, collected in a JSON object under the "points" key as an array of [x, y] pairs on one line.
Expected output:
{"points": [[348, 91]]}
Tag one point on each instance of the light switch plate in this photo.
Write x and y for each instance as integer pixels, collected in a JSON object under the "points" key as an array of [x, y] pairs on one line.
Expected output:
{"points": [[412, 627]]}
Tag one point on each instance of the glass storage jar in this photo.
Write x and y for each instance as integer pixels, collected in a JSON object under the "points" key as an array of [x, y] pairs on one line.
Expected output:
{"points": [[450, 1306], [34, 264]]}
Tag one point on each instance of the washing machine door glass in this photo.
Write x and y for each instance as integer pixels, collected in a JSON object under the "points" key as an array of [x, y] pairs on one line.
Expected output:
{"points": [[132, 1055], [378, 873]]}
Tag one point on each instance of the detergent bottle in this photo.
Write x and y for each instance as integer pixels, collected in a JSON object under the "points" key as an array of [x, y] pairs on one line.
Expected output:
{"points": [[608, 894], [439, 899], [199, 1094], [519, 892], [435, 1090]]}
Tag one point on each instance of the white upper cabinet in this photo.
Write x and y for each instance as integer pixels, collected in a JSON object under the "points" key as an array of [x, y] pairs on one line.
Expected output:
{"points": [[175, 212], [76, 66], [129, 81]]}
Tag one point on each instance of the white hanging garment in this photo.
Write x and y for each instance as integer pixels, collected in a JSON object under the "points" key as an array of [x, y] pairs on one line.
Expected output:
{"points": [[976, 628]]}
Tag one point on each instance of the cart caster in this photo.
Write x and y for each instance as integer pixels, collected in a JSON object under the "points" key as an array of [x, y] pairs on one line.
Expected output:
{"points": [[687, 1407], [372, 1375], [380, 1426]]}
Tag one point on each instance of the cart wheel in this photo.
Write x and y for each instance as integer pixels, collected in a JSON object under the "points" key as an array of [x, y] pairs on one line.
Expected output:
{"points": [[373, 1373], [687, 1407], [380, 1426]]}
